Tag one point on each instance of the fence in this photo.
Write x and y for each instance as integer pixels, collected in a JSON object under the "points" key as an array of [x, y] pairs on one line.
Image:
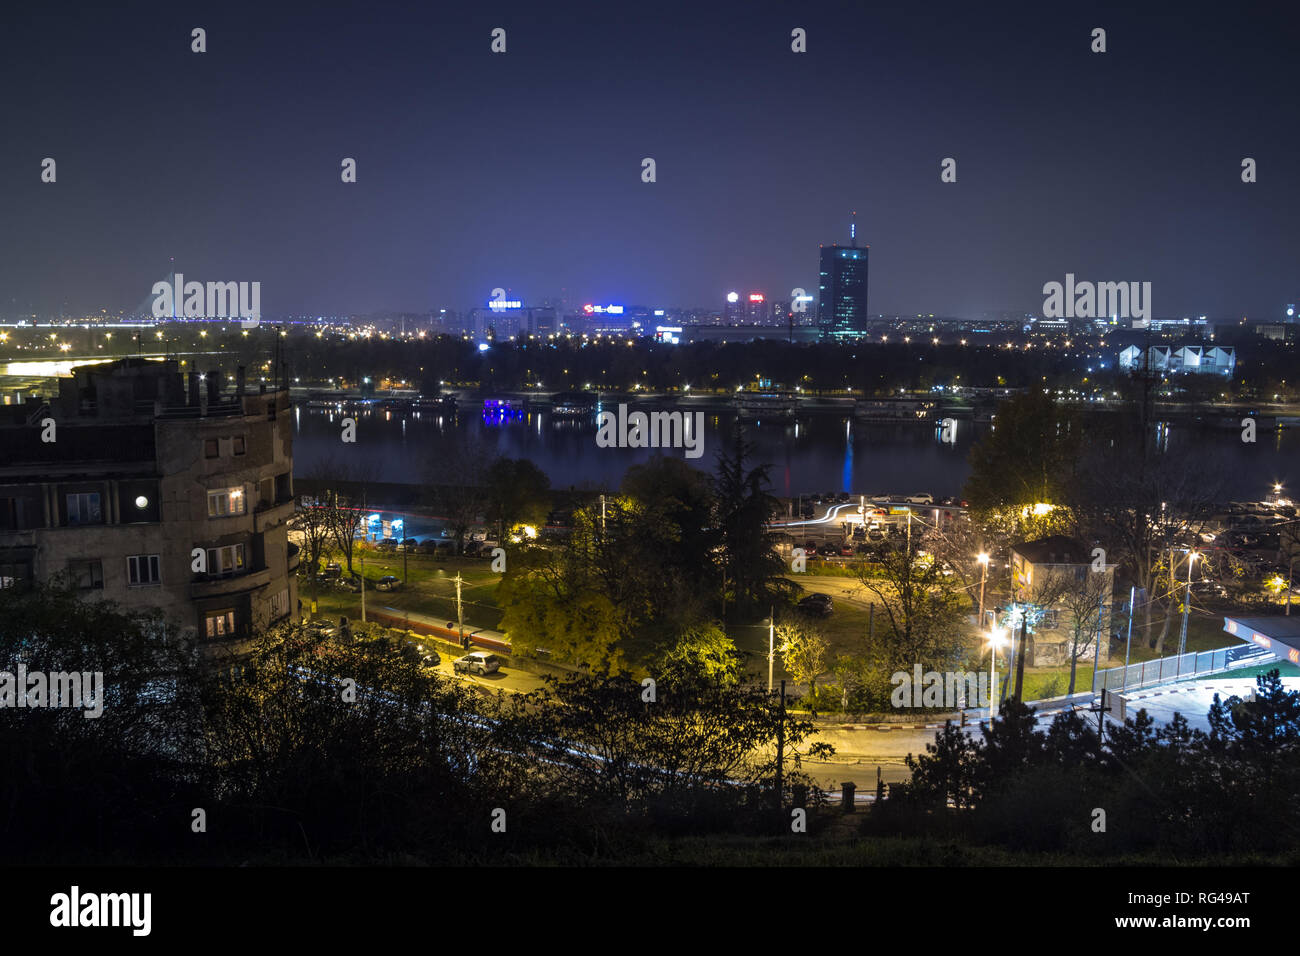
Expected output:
{"points": [[1180, 665]]}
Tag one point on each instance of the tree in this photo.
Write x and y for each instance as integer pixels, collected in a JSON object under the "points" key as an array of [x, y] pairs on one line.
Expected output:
{"points": [[456, 489], [1084, 597], [753, 570], [921, 605], [516, 492], [1138, 498], [803, 652], [702, 650], [1026, 459], [545, 605]]}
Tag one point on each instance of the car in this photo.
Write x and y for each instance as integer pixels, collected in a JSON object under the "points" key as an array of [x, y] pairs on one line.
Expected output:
{"points": [[389, 582], [1209, 589], [332, 570], [920, 499], [842, 498], [846, 551], [859, 532], [386, 544], [810, 547], [882, 497], [428, 657], [428, 546], [863, 548], [408, 545], [321, 629], [477, 662], [817, 603]]}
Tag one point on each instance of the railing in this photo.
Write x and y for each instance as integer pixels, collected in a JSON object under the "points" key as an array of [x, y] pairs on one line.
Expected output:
{"points": [[1178, 666]]}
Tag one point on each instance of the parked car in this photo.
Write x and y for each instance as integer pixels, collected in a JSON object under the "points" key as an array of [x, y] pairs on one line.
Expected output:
{"points": [[332, 570], [408, 545], [389, 582], [882, 497], [428, 546], [920, 499], [428, 656], [846, 551], [386, 544], [352, 584], [477, 662], [1209, 589], [817, 603]]}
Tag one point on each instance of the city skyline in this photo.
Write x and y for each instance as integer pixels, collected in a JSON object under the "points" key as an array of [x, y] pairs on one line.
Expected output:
{"points": [[523, 170]]}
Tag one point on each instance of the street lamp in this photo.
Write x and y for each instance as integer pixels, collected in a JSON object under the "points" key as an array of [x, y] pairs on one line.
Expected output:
{"points": [[997, 637], [983, 559], [1187, 605]]}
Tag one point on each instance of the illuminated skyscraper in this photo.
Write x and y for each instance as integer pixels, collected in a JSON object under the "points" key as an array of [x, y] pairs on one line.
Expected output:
{"points": [[842, 298]]}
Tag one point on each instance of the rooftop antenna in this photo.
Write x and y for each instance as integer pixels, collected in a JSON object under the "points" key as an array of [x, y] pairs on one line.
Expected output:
{"points": [[853, 230]]}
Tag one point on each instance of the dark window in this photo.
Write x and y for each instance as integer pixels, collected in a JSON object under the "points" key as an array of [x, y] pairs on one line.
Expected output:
{"points": [[83, 508], [211, 448], [15, 573], [86, 574], [225, 561], [143, 569], [270, 411], [239, 444]]}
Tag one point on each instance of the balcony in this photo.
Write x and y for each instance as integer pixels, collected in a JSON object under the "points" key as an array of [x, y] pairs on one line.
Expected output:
{"points": [[270, 516], [235, 584]]}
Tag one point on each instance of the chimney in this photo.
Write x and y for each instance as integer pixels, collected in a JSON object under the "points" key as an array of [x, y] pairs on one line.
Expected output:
{"points": [[239, 381]]}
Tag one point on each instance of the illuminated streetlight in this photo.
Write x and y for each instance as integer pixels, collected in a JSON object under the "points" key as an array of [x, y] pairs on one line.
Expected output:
{"points": [[997, 638]]}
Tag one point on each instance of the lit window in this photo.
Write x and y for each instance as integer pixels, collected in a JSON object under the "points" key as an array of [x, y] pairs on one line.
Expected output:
{"points": [[226, 501], [220, 623]]}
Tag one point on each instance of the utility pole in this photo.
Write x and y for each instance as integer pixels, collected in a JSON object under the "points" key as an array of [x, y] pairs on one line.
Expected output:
{"points": [[1132, 600], [1020, 656], [460, 619], [363, 582], [771, 645], [1187, 606], [984, 568], [1290, 571], [602, 515], [1096, 656], [780, 748]]}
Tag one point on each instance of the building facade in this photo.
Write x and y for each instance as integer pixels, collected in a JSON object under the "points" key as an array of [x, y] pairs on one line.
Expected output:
{"points": [[132, 487]]}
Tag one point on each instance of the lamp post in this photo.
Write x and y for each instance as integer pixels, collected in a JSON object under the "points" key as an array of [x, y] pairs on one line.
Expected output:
{"points": [[983, 559], [1187, 606], [995, 638]]}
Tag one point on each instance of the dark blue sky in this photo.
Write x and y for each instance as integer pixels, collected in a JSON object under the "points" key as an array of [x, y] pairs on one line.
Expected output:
{"points": [[522, 170]]}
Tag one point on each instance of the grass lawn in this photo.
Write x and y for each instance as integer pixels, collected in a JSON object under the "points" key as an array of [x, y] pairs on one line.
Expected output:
{"points": [[430, 589]]}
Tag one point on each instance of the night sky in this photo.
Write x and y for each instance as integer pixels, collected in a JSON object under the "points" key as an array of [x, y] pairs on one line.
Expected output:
{"points": [[523, 170]]}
